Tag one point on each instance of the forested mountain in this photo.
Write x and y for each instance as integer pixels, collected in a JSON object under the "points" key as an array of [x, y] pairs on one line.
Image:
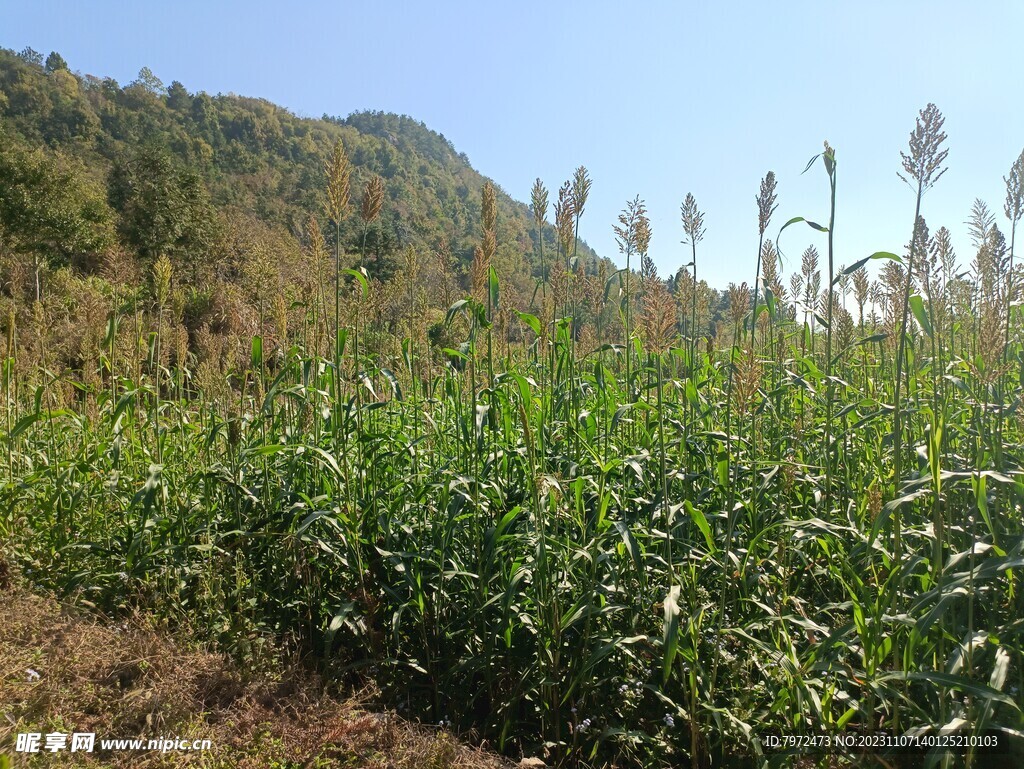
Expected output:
{"points": [[99, 180]]}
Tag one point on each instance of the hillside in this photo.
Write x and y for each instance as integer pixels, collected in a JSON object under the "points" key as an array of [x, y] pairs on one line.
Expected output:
{"points": [[255, 156], [103, 178]]}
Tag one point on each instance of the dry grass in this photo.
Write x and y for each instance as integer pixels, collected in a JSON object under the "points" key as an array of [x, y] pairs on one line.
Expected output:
{"points": [[130, 680]]}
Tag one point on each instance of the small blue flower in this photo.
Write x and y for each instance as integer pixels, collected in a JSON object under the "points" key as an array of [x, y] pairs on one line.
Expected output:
{"points": [[669, 721]]}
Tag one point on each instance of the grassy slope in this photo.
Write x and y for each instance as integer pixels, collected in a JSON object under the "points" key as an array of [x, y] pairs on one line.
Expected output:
{"points": [[133, 680]]}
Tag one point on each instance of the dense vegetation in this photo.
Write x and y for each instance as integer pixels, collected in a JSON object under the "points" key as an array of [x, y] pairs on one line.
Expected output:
{"points": [[97, 181], [592, 519]]}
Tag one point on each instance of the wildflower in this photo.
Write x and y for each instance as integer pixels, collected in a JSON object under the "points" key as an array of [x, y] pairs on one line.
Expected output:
{"points": [[33, 675], [669, 721]]}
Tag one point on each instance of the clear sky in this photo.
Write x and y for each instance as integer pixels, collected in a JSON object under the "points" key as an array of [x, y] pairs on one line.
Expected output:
{"points": [[657, 99]]}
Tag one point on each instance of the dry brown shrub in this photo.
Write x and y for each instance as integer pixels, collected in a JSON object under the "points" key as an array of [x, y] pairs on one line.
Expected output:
{"points": [[131, 679]]}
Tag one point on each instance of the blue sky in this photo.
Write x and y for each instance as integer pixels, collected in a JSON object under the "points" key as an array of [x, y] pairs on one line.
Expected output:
{"points": [[656, 100]]}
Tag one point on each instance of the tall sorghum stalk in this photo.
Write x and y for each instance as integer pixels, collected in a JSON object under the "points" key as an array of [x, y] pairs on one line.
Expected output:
{"points": [[693, 226], [488, 248], [580, 193], [923, 168], [766, 206], [564, 226], [653, 321], [626, 238], [317, 256], [739, 301], [369, 210], [162, 272], [484, 259], [338, 187], [936, 268], [981, 225], [539, 208], [338, 173], [1014, 209], [829, 158]]}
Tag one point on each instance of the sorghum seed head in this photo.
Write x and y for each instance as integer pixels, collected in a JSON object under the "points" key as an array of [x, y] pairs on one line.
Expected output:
{"points": [[373, 199], [338, 172]]}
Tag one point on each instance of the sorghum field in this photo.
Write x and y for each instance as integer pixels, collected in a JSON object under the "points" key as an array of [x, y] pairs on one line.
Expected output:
{"points": [[653, 543]]}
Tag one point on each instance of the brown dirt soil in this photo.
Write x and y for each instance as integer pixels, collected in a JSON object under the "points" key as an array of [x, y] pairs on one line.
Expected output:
{"points": [[127, 680]]}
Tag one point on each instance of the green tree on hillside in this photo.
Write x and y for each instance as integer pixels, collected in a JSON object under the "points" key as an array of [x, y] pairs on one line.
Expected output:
{"points": [[49, 209], [54, 62], [31, 56], [149, 81], [163, 208]]}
